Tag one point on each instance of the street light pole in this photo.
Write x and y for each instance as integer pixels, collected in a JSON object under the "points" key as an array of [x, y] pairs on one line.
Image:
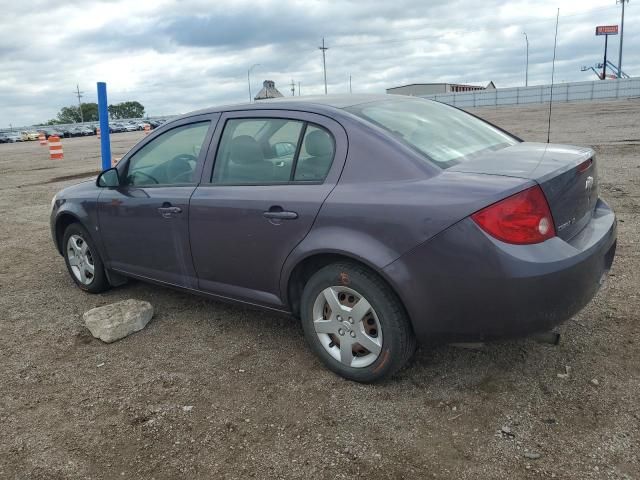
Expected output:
{"points": [[621, 37], [526, 74], [249, 79]]}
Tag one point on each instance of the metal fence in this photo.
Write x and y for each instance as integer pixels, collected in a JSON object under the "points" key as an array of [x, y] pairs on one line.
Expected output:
{"points": [[562, 92]]}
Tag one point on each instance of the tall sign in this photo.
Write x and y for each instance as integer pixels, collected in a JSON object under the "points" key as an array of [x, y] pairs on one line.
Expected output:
{"points": [[606, 30]]}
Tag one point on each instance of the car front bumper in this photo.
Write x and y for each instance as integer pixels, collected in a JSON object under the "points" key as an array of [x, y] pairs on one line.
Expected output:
{"points": [[463, 284]]}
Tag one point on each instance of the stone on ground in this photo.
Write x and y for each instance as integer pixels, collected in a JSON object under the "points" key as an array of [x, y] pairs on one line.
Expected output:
{"points": [[117, 320]]}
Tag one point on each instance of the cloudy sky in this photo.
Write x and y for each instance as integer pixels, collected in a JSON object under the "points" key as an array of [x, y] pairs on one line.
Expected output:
{"points": [[177, 56]]}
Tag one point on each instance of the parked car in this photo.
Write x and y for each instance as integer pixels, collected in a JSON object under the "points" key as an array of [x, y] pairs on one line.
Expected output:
{"points": [[29, 135], [81, 131], [378, 221], [3, 138], [48, 132], [74, 131], [116, 127], [66, 131], [13, 137]]}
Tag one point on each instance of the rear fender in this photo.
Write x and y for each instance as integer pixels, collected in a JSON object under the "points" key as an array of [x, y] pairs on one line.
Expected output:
{"points": [[355, 245]]}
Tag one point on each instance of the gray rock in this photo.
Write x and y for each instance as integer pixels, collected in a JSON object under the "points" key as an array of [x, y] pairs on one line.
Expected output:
{"points": [[532, 455], [117, 320]]}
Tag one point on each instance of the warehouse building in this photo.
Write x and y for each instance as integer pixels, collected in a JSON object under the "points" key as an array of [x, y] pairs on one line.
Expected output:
{"points": [[418, 89]]}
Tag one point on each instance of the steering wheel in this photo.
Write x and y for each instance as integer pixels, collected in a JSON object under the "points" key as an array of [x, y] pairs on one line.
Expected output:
{"points": [[140, 172], [180, 167]]}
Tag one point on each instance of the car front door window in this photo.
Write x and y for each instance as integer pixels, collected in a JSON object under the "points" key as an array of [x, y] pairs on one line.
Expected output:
{"points": [[169, 159]]}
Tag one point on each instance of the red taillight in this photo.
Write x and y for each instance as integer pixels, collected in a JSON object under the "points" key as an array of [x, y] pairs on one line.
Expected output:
{"points": [[523, 218]]}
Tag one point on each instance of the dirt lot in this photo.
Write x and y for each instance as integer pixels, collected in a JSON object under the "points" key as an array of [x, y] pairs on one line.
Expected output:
{"points": [[263, 407]]}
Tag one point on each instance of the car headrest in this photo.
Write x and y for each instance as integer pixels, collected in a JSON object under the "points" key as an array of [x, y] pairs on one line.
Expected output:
{"points": [[318, 143], [245, 150]]}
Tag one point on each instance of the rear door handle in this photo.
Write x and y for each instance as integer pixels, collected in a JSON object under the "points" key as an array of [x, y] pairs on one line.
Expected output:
{"points": [[279, 214]]}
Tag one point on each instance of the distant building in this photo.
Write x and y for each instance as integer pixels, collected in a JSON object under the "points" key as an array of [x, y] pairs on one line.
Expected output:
{"points": [[269, 90], [418, 89]]}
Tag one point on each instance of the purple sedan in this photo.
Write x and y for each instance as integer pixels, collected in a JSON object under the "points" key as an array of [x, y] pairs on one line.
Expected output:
{"points": [[378, 221]]}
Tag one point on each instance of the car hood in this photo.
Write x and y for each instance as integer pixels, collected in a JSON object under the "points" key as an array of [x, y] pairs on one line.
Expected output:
{"points": [[86, 189]]}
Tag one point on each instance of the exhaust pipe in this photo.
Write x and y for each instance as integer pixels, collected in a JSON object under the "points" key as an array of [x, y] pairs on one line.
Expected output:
{"points": [[550, 338]]}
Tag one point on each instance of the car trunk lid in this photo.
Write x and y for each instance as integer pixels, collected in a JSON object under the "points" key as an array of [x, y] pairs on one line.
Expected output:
{"points": [[566, 174]]}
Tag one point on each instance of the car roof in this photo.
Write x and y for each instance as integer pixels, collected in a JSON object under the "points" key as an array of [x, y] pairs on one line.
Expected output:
{"points": [[316, 103]]}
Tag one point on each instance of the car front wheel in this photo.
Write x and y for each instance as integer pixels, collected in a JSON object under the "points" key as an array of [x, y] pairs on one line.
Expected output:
{"points": [[355, 323], [83, 260]]}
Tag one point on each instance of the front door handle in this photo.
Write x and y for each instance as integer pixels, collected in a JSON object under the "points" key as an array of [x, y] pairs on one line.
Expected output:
{"points": [[166, 210], [278, 213]]}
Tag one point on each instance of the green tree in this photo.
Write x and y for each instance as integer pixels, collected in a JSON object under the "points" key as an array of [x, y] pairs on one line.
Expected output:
{"points": [[90, 112], [69, 115], [126, 110]]}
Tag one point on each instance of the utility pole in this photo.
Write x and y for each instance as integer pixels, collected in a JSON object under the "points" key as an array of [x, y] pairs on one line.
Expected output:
{"points": [[526, 74], [299, 89], [293, 88], [350, 84], [324, 64], [79, 95], [621, 37]]}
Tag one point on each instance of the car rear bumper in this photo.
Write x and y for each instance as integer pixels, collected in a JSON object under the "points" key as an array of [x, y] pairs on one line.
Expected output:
{"points": [[466, 285]]}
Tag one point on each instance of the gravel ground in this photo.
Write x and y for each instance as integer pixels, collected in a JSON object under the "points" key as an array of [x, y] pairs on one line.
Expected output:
{"points": [[209, 390]]}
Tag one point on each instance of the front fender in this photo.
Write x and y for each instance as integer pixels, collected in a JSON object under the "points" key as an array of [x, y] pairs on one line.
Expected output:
{"points": [[82, 211]]}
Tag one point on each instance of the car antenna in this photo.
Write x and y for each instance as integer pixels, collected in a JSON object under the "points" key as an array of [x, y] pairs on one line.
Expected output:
{"points": [[553, 68]]}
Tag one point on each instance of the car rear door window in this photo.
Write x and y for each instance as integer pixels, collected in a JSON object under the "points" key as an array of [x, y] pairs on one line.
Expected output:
{"points": [[168, 159], [263, 151], [257, 151]]}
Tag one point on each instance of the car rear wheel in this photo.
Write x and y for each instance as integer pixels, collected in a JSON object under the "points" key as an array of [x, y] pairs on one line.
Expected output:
{"points": [[83, 260], [355, 323]]}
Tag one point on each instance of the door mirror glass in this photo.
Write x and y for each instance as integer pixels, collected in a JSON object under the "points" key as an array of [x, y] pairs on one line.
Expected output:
{"points": [[108, 178]]}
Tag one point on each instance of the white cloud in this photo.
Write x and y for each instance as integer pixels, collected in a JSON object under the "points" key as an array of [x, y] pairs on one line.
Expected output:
{"points": [[177, 56]]}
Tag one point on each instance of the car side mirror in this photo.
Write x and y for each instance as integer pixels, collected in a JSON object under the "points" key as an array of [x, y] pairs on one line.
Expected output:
{"points": [[109, 178]]}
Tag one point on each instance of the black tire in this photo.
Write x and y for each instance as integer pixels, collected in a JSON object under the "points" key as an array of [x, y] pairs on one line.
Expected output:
{"points": [[99, 283], [398, 339]]}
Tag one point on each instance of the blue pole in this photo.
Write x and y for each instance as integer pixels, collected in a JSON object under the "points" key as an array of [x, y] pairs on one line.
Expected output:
{"points": [[103, 114]]}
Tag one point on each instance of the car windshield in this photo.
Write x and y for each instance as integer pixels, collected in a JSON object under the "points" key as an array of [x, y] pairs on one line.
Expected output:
{"points": [[442, 134]]}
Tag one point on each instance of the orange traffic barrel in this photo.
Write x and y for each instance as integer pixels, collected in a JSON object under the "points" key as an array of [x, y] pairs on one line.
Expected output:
{"points": [[98, 131], [55, 148], [147, 128], [42, 138]]}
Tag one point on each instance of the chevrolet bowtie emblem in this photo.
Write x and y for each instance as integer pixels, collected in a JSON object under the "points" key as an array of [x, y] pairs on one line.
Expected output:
{"points": [[588, 184]]}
